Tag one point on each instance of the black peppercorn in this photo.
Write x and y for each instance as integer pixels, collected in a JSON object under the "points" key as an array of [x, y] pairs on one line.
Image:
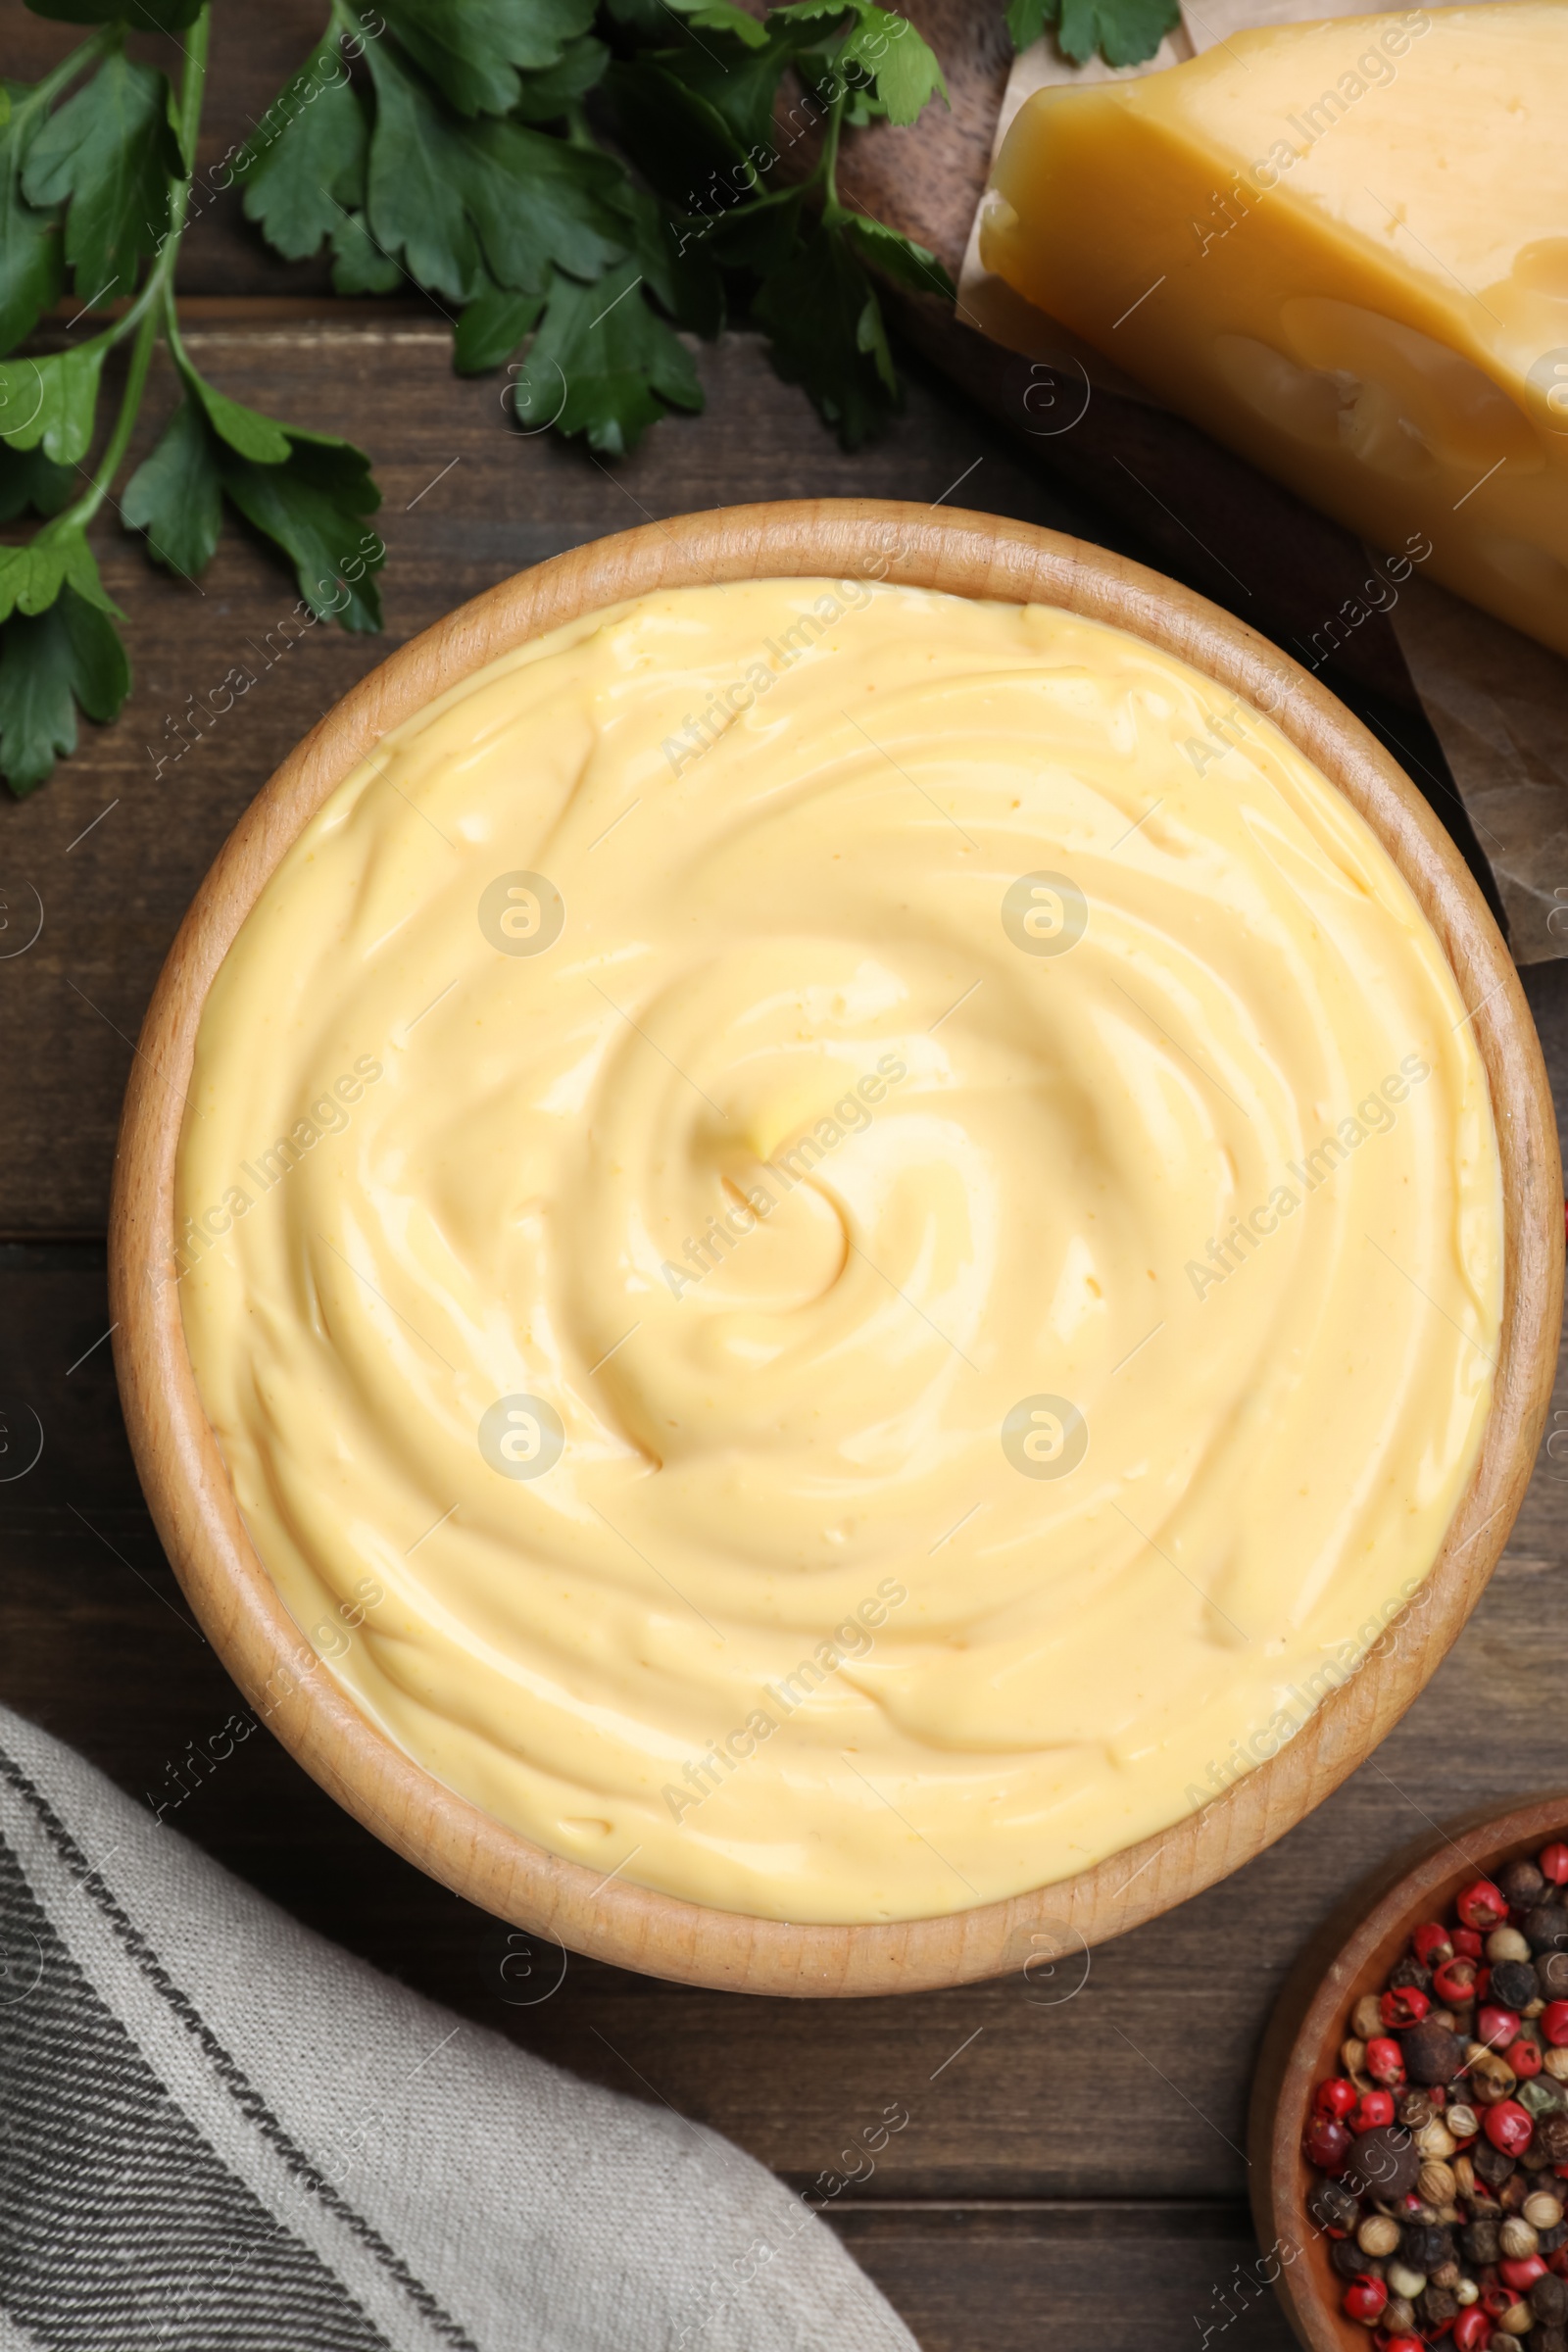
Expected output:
{"points": [[1413, 2108], [1548, 2339], [1514, 1985], [1491, 2165], [1383, 2163], [1548, 2300], [1347, 2257], [1552, 2137], [1523, 1884], [1435, 2306], [1552, 1967], [1408, 1973], [1425, 2246], [1552, 2239], [1431, 2053], [1333, 2207], [1545, 1928], [1480, 2243]]}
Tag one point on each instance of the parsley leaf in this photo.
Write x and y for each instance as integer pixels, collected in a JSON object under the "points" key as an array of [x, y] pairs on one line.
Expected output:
{"points": [[676, 266], [491, 328], [255, 436], [1126, 33], [617, 364], [305, 165], [471, 49], [1026, 21], [30, 268], [50, 663], [308, 493], [175, 495], [109, 152], [546, 96], [415, 204], [31, 576], [537, 201], [359, 266], [898, 255], [28, 478], [821, 312], [313, 508], [460, 201], [906, 70], [51, 401]]}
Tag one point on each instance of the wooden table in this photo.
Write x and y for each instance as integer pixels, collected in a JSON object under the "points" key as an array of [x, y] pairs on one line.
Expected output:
{"points": [[1073, 2173]]}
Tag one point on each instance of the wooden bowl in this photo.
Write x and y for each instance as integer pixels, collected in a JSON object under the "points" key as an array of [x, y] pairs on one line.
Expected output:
{"points": [[182, 1471], [1351, 1954]]}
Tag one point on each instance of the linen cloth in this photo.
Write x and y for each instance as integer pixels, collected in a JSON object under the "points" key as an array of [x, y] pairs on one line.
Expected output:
{"points": [[220, 2133]]}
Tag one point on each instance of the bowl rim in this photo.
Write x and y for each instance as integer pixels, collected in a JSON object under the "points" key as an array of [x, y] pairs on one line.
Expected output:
{"points": [[182, 1468], [1350, 1954]]}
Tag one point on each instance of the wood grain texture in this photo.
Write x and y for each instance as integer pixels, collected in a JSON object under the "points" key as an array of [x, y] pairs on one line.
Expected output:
{"points": [[1351, 1954], [182, 1470]]}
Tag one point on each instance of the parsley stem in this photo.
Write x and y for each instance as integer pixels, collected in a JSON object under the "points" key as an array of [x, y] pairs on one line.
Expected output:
{"points": [[147, 313], [828, 165]]}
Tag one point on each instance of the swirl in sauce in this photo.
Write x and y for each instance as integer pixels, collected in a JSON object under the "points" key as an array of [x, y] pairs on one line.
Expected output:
{"points": [[845, 1244]]}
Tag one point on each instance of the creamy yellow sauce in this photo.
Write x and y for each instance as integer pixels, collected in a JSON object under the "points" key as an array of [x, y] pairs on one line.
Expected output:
{"points": [[845, 1245]]}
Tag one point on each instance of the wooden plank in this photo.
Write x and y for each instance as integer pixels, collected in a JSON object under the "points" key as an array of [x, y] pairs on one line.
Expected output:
{"points": [[1110, 2276]]}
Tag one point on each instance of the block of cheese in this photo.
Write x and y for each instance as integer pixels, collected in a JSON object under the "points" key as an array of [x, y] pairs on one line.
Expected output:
{"points": [[1342, 248]]}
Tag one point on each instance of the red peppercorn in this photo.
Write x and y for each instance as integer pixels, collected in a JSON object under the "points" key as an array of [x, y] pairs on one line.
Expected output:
{"points": [[1402, 2005], [1495, 2299], [1522, 2273], [1337, 2096], [1496, 2028], [1364, 2299], [1482, 1906], [1454, 1982], [1508, 2127], [1554, 2023], [1431, 1944], [1401, 2343], [1472, 2331], [1524, 2057], [1552, 1864], [1328, 2144], [1558, 2262], [1384, 2061], [1469, 1944], [1373, 2109]]}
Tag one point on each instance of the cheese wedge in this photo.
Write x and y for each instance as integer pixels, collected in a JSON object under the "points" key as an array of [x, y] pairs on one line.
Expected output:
{"points": [[1342, 248]]}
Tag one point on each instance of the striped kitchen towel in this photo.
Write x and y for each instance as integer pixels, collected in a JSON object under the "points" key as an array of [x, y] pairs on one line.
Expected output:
{"points": [[220, 2133]]}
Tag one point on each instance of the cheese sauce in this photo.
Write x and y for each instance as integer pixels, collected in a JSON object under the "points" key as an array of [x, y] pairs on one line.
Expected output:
{"points": [[845, 1245]]}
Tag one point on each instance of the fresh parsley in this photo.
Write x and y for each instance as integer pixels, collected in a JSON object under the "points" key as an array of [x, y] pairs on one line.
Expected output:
{"points": [[1125, 33], [95, 187], [578, 183]]}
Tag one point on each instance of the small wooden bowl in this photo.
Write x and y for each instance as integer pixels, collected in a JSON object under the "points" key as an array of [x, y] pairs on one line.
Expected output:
{"points": [[1351, 1954], [182, 1471]]}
